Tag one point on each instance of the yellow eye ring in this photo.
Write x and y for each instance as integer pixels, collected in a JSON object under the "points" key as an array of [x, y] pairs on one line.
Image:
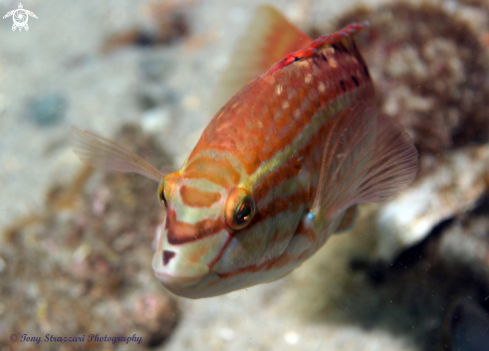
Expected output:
{"points": [[240, 209], [161, 193], [166, 187]]}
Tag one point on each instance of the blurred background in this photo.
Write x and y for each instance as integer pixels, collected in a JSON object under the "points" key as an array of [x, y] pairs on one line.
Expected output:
{"points": [[76, 244]]}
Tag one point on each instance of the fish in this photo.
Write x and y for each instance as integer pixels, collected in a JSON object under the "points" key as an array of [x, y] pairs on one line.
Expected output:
{"points": [[280, 167]]}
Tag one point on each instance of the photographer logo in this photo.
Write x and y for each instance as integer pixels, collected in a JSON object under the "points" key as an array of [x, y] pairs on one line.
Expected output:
{"points": [[20, 17]]}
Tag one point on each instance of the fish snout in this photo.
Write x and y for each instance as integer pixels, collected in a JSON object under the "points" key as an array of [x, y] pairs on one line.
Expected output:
{"points": [[185, 268], [175, 271]]}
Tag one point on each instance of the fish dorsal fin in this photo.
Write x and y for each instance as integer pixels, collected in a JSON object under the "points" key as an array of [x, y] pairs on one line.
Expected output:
{"points": [[368, 157], [106, 155], [344, 36], [268, 39]]}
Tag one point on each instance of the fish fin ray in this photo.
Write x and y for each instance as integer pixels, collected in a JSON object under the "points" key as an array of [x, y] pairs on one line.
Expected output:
{"points": [[268, 39], [104, 154], [348, 220], [368, 157], [344, 36]]}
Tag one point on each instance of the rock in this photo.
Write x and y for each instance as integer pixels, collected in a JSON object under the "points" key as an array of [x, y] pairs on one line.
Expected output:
{"points": [[459, 181], [160, 23], [469, 327], [427, 63]]}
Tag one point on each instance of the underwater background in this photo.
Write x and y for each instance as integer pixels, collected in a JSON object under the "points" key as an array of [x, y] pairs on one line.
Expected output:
{"points": [[76, 244]]}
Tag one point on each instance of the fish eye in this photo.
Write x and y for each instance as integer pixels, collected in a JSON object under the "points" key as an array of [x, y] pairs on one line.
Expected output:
{"points": [[243, 213], [240, 208], [161, 193]]}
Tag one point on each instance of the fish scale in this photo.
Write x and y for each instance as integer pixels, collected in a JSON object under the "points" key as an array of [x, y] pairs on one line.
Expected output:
{"points": [[239, 128], [280, 167]]}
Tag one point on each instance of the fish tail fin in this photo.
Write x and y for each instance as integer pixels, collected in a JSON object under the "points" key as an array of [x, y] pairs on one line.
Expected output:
{"points": [[104, 154], [268, 39], [368, 157]]}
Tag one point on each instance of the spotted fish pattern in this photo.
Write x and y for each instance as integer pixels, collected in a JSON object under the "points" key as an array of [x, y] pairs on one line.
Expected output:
{"points": [[280, 167]]}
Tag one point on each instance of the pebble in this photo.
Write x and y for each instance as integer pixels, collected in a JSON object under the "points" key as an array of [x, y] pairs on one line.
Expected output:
{"points": [[155, 120], [291, 338], [47, 110], [226, 334], [156, 68]]}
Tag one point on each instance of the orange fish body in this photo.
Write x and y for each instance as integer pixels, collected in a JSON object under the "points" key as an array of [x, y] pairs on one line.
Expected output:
{"points": [[276, 169]]}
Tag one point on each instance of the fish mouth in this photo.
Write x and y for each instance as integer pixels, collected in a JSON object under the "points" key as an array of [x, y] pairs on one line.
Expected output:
{"points": [[174, 281], [178, 273]]}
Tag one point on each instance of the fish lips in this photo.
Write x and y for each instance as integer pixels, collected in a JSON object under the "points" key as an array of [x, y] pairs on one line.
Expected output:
{"points": [[179, 267], [194, 272]]}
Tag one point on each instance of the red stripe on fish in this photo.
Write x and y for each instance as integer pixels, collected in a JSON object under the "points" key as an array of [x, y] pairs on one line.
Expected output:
{"points": [[194, 197], [180, 232], [204, 167], [289, 203]]}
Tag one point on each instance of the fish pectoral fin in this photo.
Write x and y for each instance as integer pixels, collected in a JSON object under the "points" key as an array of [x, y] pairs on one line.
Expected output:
{"points": [[104, 154], [348, 220], [269, 38], [368, 157]]}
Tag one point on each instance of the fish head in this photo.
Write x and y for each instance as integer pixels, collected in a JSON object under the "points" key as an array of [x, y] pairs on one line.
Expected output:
{"points": [[202, 219]]}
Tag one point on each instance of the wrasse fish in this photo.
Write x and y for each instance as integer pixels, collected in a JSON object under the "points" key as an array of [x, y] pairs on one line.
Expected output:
{"points": [[279, 168]]}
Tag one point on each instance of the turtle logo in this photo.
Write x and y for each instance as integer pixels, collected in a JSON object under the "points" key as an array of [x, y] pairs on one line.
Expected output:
{"points": [[20, 17]]}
